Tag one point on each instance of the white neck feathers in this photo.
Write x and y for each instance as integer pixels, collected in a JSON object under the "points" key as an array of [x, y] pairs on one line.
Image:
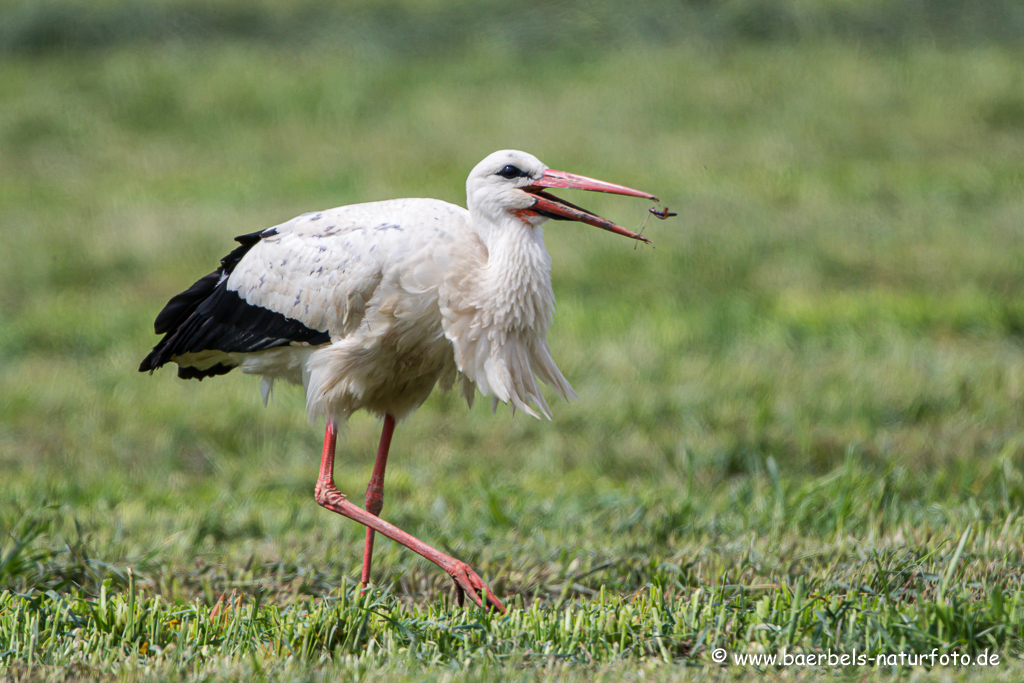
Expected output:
{"points": [[498, 323]]}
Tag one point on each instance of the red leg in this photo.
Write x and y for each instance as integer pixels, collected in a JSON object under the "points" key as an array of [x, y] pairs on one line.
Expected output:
{"points": [[328, 496], [375, 493]]}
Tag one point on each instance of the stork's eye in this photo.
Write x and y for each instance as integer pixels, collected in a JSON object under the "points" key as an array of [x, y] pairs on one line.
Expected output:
{"points": [[510, 172]]}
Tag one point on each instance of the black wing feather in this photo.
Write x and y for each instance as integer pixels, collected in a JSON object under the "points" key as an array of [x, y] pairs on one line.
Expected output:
{"points": [[210, 317], [181, 306]]}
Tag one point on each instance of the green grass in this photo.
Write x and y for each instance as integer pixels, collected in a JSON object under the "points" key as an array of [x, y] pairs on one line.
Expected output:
{"points": [[799, 425]]}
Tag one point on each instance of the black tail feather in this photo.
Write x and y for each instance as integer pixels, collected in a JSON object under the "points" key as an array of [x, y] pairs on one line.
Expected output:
{"points": [[181, 306]]}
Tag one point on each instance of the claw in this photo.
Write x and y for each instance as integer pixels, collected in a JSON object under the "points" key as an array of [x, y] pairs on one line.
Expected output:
{"points": [[468, 581], [460, 595]]}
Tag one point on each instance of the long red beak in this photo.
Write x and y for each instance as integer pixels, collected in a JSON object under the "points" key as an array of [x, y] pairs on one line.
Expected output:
{"points": [[559, 209]]}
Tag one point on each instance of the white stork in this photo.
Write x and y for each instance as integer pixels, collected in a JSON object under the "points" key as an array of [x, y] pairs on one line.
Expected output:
{"points": [[369, 306]]}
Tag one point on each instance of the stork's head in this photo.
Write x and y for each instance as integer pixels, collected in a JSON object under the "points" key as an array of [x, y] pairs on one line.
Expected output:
{"points": [[510, 184]]}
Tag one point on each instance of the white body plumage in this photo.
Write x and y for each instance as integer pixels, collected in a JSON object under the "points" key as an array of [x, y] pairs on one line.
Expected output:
{"points": [[411, 296]]}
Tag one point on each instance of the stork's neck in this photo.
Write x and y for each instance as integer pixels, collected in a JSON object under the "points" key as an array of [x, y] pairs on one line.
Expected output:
{"points": [[518, 274]]}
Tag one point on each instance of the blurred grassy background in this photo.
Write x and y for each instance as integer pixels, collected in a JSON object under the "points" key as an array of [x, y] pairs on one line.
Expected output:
{"points": [[821, 353]]}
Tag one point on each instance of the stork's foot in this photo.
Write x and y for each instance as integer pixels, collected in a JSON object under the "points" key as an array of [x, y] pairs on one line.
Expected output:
{"points": [[468, 581]]}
